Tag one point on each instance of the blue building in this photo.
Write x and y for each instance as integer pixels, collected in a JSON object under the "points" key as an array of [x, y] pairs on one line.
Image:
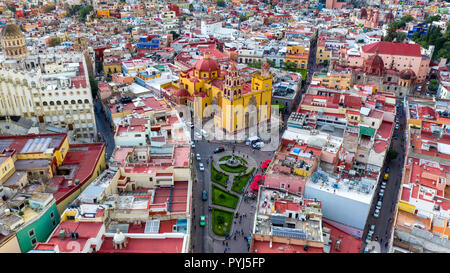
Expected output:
{"points": [[151, 43], [421, 28]]}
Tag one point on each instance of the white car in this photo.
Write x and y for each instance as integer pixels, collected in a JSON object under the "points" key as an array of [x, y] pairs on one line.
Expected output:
{"points": [[201, 167], [198, 157], [379, 204], [376, 214], [189, 124], [193, 144], [383, 186]]}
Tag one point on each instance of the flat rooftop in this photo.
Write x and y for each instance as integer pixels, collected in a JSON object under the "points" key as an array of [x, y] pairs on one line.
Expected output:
{"points": [[145, 245], [32, 143]]}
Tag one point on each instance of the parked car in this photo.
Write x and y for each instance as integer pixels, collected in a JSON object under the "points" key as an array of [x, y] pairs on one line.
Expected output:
{"points": [[381, 193], [258, 145], [219, 150], [379, 205], [387, 170], [202, 220], [190, 124], [383, 186], [368, 239], [376, 214], [201, 167], [204, 195], [192, 144], [198, 157], [372, 227]]}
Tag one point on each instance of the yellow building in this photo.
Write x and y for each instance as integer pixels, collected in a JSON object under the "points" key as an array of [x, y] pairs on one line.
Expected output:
{"points": [[299, 55], [103, 13], [340, 81], [322, 53], [239, 106], [6, 167], [112, 65]]}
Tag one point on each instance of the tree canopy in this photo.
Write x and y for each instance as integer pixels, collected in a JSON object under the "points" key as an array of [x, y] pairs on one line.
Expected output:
{"points": [[435, 37]]}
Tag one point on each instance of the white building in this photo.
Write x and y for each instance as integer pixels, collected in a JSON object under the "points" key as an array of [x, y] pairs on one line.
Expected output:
{"points": [[54, 91]]}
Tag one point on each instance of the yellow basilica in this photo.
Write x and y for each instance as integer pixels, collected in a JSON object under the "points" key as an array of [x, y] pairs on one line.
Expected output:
{"points": [[234, 105]]}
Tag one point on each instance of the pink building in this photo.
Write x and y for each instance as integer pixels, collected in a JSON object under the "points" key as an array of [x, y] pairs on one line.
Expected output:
{"points": [[104, 90], [396, 56], [336, 4]]}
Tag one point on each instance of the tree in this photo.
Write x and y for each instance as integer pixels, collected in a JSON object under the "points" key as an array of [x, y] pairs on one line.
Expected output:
{"points": [[433, 86], [392, 154], [432, 19], [94, 86], [221, 3], [55, 42], [12, 8], [391, 32], [48, 9], [85, 11], [400, 37], [243, 18], [191, 7], [174, 34]]}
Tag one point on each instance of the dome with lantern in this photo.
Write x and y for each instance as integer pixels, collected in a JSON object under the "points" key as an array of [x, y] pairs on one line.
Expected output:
{"points": [[206, 64], [13, 41], [374, 65]]}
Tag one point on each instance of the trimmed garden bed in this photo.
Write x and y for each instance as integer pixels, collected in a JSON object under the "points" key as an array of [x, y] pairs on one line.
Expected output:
{"points": [[239, 182], [223, 198], [218, 177], [221, 221]]}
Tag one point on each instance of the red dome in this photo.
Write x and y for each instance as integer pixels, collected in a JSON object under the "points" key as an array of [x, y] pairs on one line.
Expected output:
{"points": [[407, 74], [181, 93], [207, 65], [374, 65]]}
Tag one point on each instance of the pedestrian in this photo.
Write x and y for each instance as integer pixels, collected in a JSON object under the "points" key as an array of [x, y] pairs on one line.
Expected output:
{"points": [[226, 243]]}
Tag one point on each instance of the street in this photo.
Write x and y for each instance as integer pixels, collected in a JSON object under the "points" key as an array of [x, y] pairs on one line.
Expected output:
{"points": [[103, 127], [383, 224]]}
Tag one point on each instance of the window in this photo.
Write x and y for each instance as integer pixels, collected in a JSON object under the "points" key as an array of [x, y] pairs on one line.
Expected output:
{"points": [[54, 222], [33, 241], [31, 233], [52, 214]]}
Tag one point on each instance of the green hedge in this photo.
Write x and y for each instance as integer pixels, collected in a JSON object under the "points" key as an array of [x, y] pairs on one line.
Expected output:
{"points": [[238, 169], [229, 156]]}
